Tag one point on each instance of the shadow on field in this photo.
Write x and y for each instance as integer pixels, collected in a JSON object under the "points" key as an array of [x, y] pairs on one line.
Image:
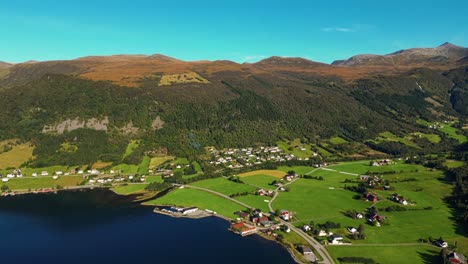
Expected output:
{"points": [[430, 257]]}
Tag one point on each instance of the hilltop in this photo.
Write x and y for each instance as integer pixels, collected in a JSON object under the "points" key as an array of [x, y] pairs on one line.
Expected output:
{"points": [[99, 103]]}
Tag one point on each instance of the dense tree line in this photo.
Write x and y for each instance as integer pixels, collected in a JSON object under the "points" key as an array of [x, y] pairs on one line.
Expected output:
{"points": [[232, 111]]}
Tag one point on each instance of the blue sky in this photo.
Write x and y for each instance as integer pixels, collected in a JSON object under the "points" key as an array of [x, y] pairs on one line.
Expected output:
{"points": [[237, 30]]}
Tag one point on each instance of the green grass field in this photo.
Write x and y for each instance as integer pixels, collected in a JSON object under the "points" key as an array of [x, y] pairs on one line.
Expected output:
{"points": [[157, 161], [433, 138], [454, 163], [132, 145], [129, 189], [447, 129], [150, 179], [298, 169], [337, 140], [389, 136], [322, 151], [144, 165], [454, 133], [361, 167], [325, 200], [294, 147], [388, 254], [203, 200], [260, 181], [43, 182], [126, 168], [16, 156], [314, 200], [224, 186], [255, 201], [50, 170]]}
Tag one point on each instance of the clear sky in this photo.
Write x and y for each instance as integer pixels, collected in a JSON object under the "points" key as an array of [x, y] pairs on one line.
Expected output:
{"points": [[237, 30]]}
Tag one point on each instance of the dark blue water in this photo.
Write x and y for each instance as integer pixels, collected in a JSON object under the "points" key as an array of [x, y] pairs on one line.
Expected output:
{"points": [[100, 227]]}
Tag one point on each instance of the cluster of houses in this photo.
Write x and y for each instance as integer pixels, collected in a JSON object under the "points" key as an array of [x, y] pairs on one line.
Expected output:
{"points": [[399, 199], [108, 180], [374, 182], [263, 192], [244, 157], [332, 238], [382, 162]]}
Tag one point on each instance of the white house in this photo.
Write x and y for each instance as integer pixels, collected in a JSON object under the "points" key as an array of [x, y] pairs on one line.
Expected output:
{"points": [[44, 173], [34, 174], [55, 177], [5, 179]]}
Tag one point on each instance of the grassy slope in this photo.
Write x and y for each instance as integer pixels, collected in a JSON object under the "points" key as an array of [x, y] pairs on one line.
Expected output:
{"points": [[388, 254], [361, 167], [129, 189], [157, 161], [260, 180], [203, 200], [224, 186], [295, 145], [132, 145], [16, 156], [314, 200], [43, 182]]}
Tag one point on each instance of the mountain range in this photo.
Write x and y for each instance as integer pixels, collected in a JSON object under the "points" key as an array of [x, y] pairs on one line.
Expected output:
{"points": [[99, 103]]}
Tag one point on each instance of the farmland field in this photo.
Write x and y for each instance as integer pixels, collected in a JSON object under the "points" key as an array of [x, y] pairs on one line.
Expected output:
{"points": [[43, 182], [297, 169], [129, 189], [203, 200], [362, 167], [224, 186], [325, 200], [16, 156], [260, 181], [272, 173], [296, 148], [388, 254], [157, 161], [131, 147], [126, 168]]}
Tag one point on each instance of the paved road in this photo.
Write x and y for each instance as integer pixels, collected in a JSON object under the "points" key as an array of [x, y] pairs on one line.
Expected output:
{"points": [[316, 245]]}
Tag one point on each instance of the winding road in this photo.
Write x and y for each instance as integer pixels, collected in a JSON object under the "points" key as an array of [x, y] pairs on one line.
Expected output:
{"points": [[319, 248]]}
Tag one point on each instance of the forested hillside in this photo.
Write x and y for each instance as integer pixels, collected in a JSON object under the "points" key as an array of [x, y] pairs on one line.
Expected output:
{"points": [[74, 119]]}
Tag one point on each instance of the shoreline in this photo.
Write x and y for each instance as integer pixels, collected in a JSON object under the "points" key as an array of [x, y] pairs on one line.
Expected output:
{"points": [[229, 220], [155, 210]]}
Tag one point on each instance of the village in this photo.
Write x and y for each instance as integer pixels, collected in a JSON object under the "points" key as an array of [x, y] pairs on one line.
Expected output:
{"points": [[235, 158], [371, 187]]}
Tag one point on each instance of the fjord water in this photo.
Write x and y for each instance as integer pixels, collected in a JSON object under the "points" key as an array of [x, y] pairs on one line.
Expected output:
{"points": [[97, 226]]}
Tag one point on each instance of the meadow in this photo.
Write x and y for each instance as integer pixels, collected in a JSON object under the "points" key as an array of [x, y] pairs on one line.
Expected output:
{"points": [[203, 200], [129, 189], [16, 156], [296, 148], [25, 184], [224, 186], [158, 161], [388, 254], [321, 201]]}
